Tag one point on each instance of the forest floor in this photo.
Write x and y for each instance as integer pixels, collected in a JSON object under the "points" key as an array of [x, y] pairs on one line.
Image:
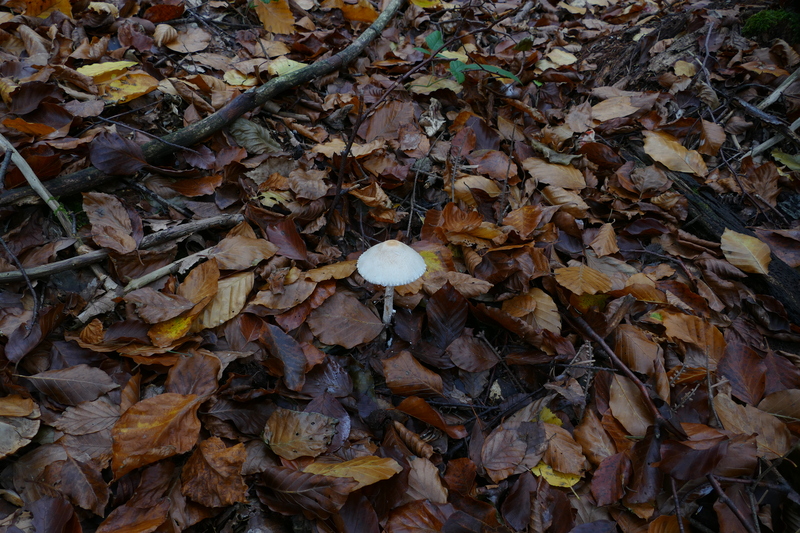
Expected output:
{"points": [[604, 193]]}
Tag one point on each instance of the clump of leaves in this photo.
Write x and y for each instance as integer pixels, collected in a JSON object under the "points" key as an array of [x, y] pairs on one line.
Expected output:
{"points": [[774, 22]]}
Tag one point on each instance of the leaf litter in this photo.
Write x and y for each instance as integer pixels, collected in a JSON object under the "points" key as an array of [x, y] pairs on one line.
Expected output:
{"points": [[585, 351]]}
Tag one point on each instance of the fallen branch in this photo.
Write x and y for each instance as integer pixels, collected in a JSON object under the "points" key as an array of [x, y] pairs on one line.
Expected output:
{"points": [[156, 149], [96, 256]]}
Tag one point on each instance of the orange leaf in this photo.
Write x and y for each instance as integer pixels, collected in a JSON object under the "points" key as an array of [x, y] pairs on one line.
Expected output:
{"points": [[583, 280], [275, 16], [154, 429]]}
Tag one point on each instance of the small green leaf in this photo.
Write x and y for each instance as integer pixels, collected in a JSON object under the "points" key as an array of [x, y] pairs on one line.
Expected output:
{"points": [[434, 40]]}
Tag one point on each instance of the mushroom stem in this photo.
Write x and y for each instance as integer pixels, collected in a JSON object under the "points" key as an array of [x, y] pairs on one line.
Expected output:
{"points": [[388, 304]]}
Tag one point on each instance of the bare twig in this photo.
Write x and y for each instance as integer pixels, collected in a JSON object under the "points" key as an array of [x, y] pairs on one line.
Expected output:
{"points": [[675, 499], [590, 333], [4, 169], [731, 505], [96, 256], [15, 260]]}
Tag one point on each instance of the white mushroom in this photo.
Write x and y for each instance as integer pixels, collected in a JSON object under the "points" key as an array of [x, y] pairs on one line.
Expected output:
{"points": [[390, 264]]}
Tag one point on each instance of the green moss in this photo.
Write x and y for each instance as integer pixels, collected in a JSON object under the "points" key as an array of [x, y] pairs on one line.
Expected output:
{"points": [[773, 24]]}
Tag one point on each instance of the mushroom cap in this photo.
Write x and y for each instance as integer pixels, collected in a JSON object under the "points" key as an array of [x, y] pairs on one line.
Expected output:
{"points": [[391, 263]]}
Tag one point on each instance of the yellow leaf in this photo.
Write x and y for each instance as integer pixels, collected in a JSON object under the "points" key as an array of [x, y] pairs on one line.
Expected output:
{"points": [[666, 149], [165, 333], [128, 87], [746, 252], [101, 72], [228, 301], [236, 78], [275, 16], [425, 4], [365, 470], [684, 68], [549, 417], [43, 8], [284, 65], [554, 477]]}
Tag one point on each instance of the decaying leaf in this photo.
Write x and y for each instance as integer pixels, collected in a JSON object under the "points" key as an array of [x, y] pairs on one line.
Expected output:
{"points": [[293, 434]]}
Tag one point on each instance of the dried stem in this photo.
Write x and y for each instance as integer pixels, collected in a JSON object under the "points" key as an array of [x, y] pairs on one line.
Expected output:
{"points": [[732, 506]]}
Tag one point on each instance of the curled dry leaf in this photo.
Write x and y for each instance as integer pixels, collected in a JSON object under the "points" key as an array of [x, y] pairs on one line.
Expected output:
{"points": [[164, 33]]}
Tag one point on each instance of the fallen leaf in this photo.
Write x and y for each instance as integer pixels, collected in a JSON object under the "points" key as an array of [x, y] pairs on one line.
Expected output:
{"points": [[666, 149], [746, 252]]}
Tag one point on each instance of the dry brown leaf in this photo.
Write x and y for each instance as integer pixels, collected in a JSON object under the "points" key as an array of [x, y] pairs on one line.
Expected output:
{"points": [[345, 321], [424, 482], [190, 41], [229, 300], [772, 436], [666, 149], [154, 429], [628, 406], [611, 108], [583, 280], [746, 252], [405, 376], [563, 176], [339, 270], [212, 475], [275, 16], [563, 453], [699, 332], [293, 434], [605, 242]]}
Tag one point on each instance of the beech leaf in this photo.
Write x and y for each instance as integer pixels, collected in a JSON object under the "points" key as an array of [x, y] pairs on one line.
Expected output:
{"points": [[746, 252]]}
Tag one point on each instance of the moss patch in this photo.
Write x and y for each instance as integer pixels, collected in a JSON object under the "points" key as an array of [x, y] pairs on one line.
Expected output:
{"points": [[771, 24]]}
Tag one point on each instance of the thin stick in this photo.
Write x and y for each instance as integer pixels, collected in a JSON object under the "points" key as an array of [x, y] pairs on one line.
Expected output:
{"points": [[15, 260], [732, 506], [592, 334], [675, 499], [4, 169], [96, 256]]}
